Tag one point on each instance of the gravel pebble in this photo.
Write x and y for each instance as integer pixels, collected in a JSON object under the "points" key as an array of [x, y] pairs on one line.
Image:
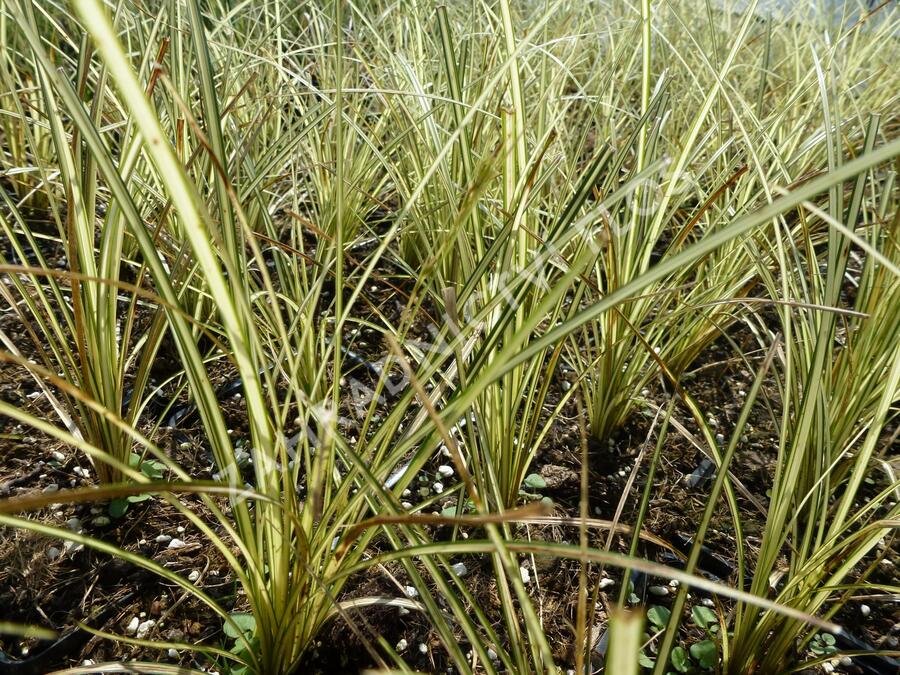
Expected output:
{"points": [[72, 547], [460, 569], [143, 628]]}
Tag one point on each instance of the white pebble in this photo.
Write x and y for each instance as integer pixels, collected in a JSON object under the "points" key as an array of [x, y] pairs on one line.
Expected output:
{"points": [[411, 592], [438, 487], [865, 610], [58, 456], [53, 487], [526, 575], [132, 626], [606, 583], [176, 543], [53, 553], [74, 524], [402, 645], [492, 655], [163, 539], [659, 591], [144, 628], [72, 547], [707, 602], [173, 653], [445, 471], [674, 583], [459, 569], [423, 648], [193, 576], [827, 667]]}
